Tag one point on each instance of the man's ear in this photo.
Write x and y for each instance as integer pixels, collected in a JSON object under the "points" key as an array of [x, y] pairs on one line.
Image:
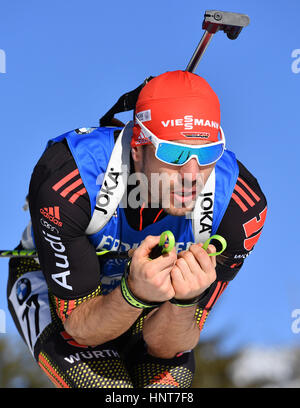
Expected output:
{"points": [[137, 153]]}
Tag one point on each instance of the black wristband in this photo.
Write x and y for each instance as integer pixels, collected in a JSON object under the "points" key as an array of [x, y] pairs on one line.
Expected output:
{"points": [[129, 296], [185, 302]]}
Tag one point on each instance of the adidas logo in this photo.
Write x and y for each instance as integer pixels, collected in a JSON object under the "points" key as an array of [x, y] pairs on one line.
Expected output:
{"points": [[52, 214], [142, 139], [164, 378]]}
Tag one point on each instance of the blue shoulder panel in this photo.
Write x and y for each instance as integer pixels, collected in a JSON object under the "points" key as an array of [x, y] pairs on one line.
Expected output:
{"points": [[227, 171]]}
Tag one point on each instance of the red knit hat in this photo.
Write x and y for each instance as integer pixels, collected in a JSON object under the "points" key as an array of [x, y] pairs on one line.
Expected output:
{"points": [[177, 105]]}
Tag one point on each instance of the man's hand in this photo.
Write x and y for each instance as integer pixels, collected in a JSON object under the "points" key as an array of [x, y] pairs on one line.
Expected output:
{"points": [[150, 280], [193, 272]]}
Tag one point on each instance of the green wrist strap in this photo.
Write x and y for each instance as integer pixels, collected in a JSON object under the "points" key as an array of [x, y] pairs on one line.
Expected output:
{"points": [[129, 296]]}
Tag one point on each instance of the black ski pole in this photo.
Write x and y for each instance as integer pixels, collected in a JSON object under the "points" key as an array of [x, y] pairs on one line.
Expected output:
{"points": [[32, 253]]}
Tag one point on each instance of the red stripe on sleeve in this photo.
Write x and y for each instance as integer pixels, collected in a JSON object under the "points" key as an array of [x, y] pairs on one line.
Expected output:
{"points": [[244, 195], [64, 180], [249, 189], [55, 375], [67, 190], [76, 195], [239, 202], [211, 300]]}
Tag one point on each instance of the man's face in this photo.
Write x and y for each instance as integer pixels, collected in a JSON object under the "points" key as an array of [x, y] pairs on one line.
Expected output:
{"points": [[173, 188]]}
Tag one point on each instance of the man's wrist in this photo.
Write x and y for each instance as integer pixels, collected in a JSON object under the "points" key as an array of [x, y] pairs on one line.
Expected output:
{"points": [[130, 297], [189, 302]]}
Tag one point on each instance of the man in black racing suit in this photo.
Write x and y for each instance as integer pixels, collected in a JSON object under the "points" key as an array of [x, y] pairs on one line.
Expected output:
{"points": [[91, 335]]}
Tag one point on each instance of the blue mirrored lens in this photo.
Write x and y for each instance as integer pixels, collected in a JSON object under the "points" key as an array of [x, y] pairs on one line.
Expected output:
{"points": [[179, 155]]}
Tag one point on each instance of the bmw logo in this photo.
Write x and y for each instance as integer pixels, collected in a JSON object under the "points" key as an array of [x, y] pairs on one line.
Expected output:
{"points": [[23, 289]]}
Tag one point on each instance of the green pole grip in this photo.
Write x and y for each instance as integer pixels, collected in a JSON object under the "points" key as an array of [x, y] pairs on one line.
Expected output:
{"points": [[218, 238], [171, 241]]}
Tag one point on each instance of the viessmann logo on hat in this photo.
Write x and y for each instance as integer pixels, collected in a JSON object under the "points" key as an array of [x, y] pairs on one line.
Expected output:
{"points": [[188, 122]]}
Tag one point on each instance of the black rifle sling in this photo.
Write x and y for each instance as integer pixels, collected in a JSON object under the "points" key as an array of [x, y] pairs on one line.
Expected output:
{"points": [[125, 103]]}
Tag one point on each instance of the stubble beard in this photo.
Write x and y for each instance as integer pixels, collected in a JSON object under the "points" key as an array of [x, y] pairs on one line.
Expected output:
{"points": [[164, 195]]}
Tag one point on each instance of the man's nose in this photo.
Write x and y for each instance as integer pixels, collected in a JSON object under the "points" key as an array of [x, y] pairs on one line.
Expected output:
{"points": [[190, 170]]}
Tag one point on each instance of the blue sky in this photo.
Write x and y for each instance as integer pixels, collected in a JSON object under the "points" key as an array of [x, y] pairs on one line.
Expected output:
{"points": [[68, 62]]}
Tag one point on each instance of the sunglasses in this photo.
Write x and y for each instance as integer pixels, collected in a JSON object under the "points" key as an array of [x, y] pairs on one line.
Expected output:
{"points": [[178, 154]]}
